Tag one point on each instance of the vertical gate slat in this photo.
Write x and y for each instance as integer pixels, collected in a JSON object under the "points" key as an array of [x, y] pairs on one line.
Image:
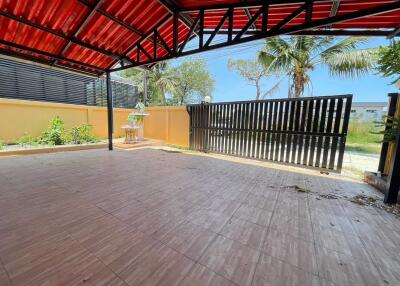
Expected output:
{"points": [[246, 127], [321, 131], [222, 128], [272, 131], [290, 129], [278, 148], [264, 128], [307, 138], [314, 129], [259, 127], [304, 105], [235, 133], [242, 120], [328, 130], [345, 126], [253, 128], [296, 129], [268, 131], [284, 134], [335, 139]]}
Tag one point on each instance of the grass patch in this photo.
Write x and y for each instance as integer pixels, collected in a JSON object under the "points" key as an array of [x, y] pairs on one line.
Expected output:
{"points": [[361, 137], [371, 148], [361, 132]]}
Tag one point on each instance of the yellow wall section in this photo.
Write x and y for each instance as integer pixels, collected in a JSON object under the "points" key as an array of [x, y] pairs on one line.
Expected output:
{"points": [[17, 117]]}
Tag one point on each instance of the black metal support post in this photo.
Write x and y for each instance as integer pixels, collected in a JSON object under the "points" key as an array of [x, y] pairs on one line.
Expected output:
{"points": [[110, 112], [393, 97], [393, 180]]}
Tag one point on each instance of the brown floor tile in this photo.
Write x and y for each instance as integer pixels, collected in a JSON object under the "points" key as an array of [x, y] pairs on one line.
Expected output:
{"points": [[254, 215], [89, 218], [345, 270], [232, 260], [245, 232], [189, 239], [160, 265], [291, 250], [210, 220], [273, 272], [202, 276]]}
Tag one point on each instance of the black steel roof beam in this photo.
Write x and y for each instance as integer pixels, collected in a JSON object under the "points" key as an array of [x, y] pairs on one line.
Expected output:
{"points": [[249, 23], [248, 14], [337, 32], [173, 7], [221, 22], [334, 8], [289, 18], [394, 33], [192, 28], [55, 33], [81, 26], [144, 37], [164, 44], [50, 55], [112, 18], [289, 30], [247, 4]]}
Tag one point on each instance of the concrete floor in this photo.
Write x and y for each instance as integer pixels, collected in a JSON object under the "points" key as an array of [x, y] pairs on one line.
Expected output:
{"points": [[154, 217]]}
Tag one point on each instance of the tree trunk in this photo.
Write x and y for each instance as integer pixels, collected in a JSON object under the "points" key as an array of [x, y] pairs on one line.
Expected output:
{"points": [[298, 84], [257, 91]]}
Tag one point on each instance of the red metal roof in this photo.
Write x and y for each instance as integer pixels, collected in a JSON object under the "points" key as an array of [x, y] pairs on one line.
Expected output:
{"points": [[92, 36]]}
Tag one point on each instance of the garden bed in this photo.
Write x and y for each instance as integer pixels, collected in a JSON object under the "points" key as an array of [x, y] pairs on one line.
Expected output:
{"points": [[15, 150]]}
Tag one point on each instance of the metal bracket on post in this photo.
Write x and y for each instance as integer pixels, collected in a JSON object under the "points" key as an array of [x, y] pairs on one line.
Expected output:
{"points": [[110, 117]]}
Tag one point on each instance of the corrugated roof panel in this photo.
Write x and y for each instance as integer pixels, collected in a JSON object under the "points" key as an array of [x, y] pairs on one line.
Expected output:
{"points": [[113, 31]]}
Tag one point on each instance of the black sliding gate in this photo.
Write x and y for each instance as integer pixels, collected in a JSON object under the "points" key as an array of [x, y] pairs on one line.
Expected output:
{"points": [[308, 131]]}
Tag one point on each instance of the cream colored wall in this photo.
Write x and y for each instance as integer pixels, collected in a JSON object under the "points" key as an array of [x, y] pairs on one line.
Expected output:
{"points": [[17, 117], [168, 123]]}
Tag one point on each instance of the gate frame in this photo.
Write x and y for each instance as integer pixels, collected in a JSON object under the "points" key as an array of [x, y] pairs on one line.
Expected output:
{"points": [[339, 150]]}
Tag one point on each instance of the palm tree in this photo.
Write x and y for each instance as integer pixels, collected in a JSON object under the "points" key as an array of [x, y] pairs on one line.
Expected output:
{"points": [[298, 55], [160, 81]]}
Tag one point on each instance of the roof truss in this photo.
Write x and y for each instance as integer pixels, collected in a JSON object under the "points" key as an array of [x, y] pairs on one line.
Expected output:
{"points": [[187, 22], [235, 37]]}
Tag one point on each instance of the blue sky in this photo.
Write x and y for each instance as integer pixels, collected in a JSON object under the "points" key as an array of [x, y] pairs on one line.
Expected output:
{"points": [[231, 87]]}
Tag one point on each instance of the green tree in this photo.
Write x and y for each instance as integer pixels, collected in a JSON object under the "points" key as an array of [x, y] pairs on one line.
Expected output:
{"points": [[389, 60], [298, 55], [160, 81], [254, 72], [193, 82]]}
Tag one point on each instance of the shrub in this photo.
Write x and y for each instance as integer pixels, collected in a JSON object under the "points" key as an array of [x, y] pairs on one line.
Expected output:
{"points": [[1, 145], [83, 134], [27, 139], [55, 133]]}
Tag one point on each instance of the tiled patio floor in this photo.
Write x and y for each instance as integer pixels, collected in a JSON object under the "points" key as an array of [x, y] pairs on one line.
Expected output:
{"points": [[150, 217]]}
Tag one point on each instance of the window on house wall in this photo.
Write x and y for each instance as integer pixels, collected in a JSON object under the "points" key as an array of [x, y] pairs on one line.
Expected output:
{"points": [[353, 111], [371, 111]]}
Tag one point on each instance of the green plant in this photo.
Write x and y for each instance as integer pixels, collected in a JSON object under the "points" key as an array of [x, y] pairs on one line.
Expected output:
{"points": [[389, 61], [83, 134], [389, 134], [27, 139], [55, 133], [1, 145]]}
